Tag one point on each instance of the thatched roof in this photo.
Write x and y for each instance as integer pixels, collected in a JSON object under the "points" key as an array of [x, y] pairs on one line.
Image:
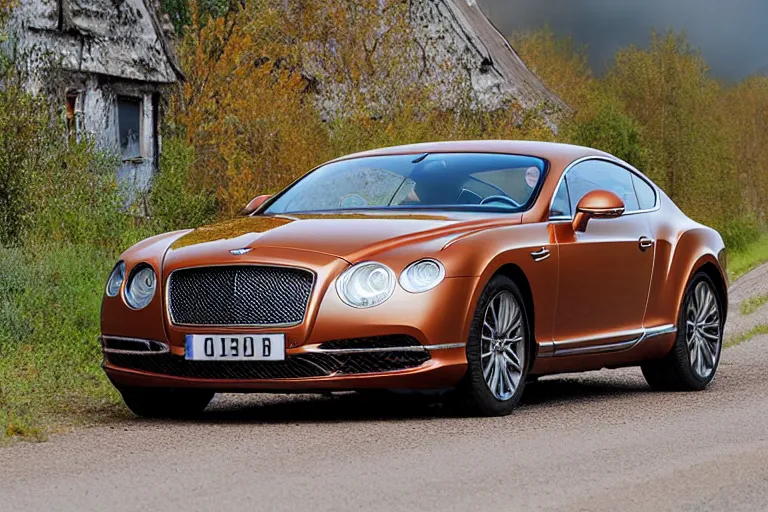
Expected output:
{"points": [[461, 32], [123, 39]]}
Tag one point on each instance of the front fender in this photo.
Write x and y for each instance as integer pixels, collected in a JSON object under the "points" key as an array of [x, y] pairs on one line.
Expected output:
{"points": [[117, 319], [508, 250]]}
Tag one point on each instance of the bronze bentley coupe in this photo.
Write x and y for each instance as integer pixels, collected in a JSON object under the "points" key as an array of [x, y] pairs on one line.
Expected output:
{"points": [[468, 267]]}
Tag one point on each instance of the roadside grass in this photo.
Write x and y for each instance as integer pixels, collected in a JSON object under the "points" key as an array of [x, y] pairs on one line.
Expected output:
{"points": [[752, 304], [50, 375], [746, 336], [750, 256]]}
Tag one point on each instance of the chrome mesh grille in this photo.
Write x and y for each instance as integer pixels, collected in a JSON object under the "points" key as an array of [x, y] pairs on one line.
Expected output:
{"points": [[239, 295]]}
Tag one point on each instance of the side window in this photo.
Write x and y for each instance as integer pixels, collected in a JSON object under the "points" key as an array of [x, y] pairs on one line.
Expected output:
{"points": [[561, 205], [601, 175], [646, 196]]}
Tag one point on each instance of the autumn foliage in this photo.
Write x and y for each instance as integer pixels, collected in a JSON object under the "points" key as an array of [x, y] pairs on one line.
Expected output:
{"points": [[659, 109], [274, 88], [250, 107]]}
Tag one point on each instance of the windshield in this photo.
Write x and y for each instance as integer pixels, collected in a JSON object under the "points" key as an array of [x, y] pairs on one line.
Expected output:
{"points": [[463, 181]]}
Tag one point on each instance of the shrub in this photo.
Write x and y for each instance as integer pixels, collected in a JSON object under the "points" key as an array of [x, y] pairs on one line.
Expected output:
{"points": [[52, 188], [739, 234], [610, 130], [177, 201], [49, 323]]}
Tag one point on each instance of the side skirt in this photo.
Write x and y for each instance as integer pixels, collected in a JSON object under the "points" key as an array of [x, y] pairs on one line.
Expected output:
{"points": [[565, 348]]}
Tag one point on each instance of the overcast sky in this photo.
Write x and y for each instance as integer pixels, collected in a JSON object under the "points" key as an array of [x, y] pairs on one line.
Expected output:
{"points": [[732, 34]]}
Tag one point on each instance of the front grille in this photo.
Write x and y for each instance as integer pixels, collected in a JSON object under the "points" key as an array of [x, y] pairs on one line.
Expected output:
{"points": [[294, 367], [239, 295], [376, 342]]}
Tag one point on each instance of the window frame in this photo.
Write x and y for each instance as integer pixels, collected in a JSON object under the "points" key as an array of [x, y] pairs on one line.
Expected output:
{"points": [[617, 163], [142, 149]]}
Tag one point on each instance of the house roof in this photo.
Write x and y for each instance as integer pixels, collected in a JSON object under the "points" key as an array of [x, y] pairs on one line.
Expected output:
{"points": [[502, 59], [117, 39], [458, 37]]}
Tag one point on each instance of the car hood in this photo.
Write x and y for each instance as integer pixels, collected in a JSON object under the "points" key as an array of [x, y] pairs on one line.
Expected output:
{"points": [[347, 236]]}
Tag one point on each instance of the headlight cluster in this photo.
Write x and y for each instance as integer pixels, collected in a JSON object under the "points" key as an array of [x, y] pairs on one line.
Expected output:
{"points": [[366, 285], [422, 276], [140, 287], [369, 284], [115, 280]]}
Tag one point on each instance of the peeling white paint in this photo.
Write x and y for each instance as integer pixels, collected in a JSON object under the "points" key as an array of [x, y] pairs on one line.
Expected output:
{"points": [[102, 49]]}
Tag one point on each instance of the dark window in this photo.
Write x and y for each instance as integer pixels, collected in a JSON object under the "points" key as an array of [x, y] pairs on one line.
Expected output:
{"points": [[646, 196], [561, 206], [129, 126], [72, 113], [601, 175]]}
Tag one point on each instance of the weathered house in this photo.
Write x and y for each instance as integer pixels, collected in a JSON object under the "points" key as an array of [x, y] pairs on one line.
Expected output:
{"points": [[107, 63]]}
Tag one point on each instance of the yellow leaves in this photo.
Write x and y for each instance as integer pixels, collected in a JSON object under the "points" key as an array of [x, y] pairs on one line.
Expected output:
{"points": [[244, 110], [250, 111]]}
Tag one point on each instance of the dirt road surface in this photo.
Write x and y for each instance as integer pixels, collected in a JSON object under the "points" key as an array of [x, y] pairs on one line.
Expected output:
{"points": [[594, 441]]}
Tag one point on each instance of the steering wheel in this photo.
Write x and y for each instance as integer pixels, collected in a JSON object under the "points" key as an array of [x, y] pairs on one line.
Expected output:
{"points": [[503, 199]]}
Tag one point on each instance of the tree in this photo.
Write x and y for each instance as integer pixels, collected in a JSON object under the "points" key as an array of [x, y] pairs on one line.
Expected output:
{"points": [[667, 90]]}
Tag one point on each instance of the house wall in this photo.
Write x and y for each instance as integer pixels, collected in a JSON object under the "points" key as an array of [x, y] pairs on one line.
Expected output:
{"points": [[98, 118]]}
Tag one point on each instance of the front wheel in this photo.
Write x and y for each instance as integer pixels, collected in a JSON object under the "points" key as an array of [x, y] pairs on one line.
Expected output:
{"points": [[497, 350], [693, 361], [166, 402]]}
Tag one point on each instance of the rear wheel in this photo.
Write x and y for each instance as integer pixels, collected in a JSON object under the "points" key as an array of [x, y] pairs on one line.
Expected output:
{"points": [[166, 402], [497, 350], [692, 363]]}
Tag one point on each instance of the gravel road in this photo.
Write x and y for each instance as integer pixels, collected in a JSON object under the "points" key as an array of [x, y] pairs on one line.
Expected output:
{"points": [[594, 441]]}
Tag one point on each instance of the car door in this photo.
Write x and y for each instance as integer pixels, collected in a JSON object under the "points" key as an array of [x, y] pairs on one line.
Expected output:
{"points": [[604, 272]]}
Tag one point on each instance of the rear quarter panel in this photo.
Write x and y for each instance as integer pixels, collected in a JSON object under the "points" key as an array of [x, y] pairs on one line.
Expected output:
{"points": [[683, 247]]}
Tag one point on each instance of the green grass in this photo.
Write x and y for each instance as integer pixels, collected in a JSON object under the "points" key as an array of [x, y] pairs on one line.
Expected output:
{"points": [[746, 336], [752, 304], [752, 255], [50, 374]]}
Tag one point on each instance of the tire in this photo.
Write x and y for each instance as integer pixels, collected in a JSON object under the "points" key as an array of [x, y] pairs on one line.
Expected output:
{"points": [[485, 356], [166, 402], [692, 363]]}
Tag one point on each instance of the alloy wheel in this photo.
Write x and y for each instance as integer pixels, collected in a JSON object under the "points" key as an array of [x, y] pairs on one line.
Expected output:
{"points": [[703, 330], [503, 345]]}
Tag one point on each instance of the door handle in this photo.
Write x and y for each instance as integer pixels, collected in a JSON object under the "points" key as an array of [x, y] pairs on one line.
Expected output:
{"points": [[645, 243], [540, 255]]}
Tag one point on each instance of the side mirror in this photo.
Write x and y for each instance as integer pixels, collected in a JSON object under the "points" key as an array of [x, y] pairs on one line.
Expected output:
{"points": [[598, 204], [255, 203]]}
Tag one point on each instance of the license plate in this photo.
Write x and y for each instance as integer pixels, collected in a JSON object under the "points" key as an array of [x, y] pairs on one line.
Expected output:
{"points": [[256, 347]]}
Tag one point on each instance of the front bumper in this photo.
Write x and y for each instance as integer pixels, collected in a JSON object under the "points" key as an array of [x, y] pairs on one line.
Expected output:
{"points": [[305, 369], [432, 328]]}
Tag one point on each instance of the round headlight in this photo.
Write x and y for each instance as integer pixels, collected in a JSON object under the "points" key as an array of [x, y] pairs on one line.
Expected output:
{"points": [[115, 280], [422, 276], [140, 287], [366, 285]]}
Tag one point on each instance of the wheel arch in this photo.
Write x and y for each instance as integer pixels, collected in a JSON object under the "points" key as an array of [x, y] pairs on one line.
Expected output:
{"points": [[517, 275], [679, 257], [713, 271]]}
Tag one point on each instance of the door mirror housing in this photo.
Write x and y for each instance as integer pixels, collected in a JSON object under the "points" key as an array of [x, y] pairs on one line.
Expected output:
{"points": [[598, 204], [255, 204]]}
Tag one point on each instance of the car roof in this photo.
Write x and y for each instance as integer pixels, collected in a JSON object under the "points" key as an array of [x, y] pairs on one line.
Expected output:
{"points": [[557, 153]]}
